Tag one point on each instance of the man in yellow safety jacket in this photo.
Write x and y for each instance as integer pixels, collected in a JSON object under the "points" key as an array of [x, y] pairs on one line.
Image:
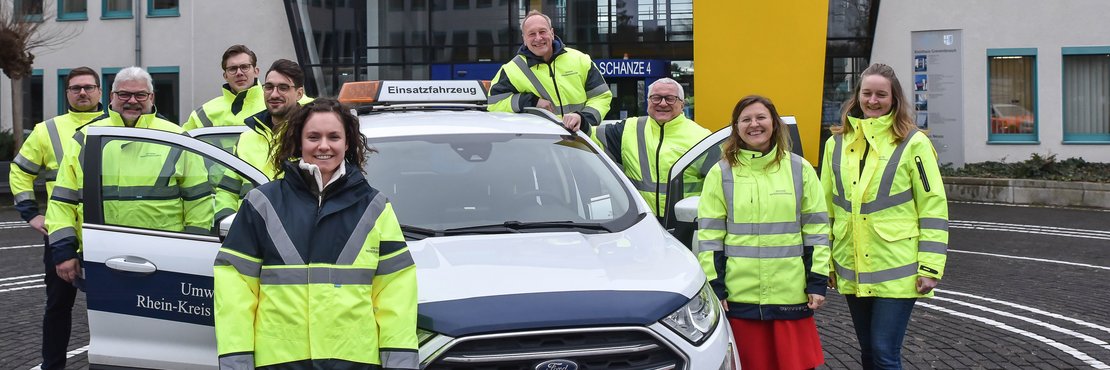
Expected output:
{"points": [[39, 157], [647, 147], [242, 96], [548, 75], [144, 185]]}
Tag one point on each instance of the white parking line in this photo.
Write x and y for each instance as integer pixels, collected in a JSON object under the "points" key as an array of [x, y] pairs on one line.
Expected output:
{"points": [[69, 354], [1080, 355], [22, 277], [1027, 206], [1033, 259], [22, 288], [1055, 328], [21, 246], [21, 282], [1030, 309]]}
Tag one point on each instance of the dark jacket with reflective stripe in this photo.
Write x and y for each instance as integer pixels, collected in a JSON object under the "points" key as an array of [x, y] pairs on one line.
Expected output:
{"points": [[763, 235], [315, 281], [571, 82], [40, 156], [890, 215]]}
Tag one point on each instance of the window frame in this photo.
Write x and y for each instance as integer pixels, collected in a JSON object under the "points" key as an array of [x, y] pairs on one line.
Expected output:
{"points": [[1018, 138], [18, 4], [1080, 139], [166, 70], [105, 85], [162, 13], [62, 101], [116, 14], [65, 16]]}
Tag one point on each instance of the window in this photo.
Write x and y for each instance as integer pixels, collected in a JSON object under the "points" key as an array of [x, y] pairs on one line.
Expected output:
{"points": [[73, 10], [462, 4], [32, 100], [1086, 95], [107, 77], [115, 9], [1012, 95], [162, 8], [28, 10], [62, 106], [166, 91]]}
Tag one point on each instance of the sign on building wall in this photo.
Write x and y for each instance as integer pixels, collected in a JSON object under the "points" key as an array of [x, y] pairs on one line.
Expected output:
{"points": [[937, 92]]}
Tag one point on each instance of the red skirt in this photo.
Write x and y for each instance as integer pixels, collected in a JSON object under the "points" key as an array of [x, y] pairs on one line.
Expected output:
{"points": [[777, 344]]}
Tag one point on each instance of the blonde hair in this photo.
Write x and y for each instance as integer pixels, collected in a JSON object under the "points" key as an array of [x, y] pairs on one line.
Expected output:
{"points": [[902, 110]]}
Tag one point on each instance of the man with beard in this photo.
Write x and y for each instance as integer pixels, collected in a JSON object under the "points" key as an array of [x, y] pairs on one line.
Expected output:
{"points": [[647, 147], [147, 185], [548, 75], [284, 89], [242, 96], [39, 157]]}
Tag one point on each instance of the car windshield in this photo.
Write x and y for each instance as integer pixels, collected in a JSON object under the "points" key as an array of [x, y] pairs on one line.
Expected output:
{"points": [[497, 183]]}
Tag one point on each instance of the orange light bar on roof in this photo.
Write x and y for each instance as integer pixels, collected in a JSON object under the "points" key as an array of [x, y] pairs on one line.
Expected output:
{"points": [[359, 92]]}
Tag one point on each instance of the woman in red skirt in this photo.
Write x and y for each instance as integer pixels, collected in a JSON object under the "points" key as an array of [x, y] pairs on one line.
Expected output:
{"points": [[763, 240]]}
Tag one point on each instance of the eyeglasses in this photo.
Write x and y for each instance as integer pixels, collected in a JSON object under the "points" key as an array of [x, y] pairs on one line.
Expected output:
{"points": [[127, 95], [78, 89], [656, 99], [241, 67], [282, 88]]}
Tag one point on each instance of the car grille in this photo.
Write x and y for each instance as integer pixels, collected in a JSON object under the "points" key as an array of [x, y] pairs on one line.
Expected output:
{"points": [[591, 349]]}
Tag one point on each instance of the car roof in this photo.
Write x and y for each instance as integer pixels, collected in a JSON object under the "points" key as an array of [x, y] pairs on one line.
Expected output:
{"points": [[454, 122]]}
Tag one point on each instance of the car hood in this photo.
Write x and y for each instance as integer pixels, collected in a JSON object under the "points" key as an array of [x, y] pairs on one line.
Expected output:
{"points": [[490, 283]]}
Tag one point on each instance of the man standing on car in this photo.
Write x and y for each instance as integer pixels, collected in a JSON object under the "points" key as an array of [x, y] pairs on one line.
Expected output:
{"points": [[647, 147], [548, 75], [40, 157]]}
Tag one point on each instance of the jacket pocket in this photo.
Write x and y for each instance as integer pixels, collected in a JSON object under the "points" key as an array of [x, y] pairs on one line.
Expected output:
{"points": [[896, 229]]}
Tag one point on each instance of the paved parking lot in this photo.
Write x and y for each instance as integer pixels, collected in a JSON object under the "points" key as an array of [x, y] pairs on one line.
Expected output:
{"points": [[1025, 288]]}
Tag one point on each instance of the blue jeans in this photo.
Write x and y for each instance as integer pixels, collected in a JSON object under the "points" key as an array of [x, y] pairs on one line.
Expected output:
{"points": [[880, 325]]}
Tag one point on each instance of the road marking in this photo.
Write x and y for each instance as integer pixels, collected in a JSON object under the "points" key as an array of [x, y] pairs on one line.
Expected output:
{"points": [[1084, 337], [21, 246], [1063, 347], [1033, 259], [22, 288], [69, 355], [1030, 229], [1028, 206], [21, 282], [1030, 309], [22, 277]]}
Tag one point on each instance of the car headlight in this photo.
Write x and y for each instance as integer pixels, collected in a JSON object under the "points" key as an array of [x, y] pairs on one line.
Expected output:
{"points": [[696, 319], [423, 336]]}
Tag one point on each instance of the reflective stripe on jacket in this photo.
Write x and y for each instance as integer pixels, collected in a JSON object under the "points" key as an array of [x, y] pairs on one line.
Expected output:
{"points": [[40, 156], [890, 217], [143, 185], [763, 235], [228, 109], [314, 280], [571, 82], [647, 151]]}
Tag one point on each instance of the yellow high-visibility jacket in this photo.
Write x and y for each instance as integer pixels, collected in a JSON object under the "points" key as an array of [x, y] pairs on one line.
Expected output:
{"points": [[320, 279], [228, 109], [571, 82], [142, 185], [890, 217], [763, 235], [40, 156], [647, 152]]}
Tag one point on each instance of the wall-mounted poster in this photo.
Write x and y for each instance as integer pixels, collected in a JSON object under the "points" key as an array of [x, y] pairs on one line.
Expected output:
{"points": [[937, 91]]}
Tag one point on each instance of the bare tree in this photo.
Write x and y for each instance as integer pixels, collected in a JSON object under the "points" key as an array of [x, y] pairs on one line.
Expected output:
{"points": [[23, 31]]}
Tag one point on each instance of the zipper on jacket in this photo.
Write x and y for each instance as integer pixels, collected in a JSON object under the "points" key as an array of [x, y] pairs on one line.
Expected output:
{"points": [[554, 81], [921, 171]]}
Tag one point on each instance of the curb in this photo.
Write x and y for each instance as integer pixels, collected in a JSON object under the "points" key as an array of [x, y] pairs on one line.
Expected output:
{"points": [[1033, 192]]}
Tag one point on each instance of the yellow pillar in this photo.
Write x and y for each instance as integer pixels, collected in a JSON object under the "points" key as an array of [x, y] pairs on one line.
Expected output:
{"points": [[771, 48]]}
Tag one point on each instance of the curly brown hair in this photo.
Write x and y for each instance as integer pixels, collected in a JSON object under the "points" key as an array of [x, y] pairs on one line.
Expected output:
{"points": [[780, 135], [288, 140], [903, 110]]}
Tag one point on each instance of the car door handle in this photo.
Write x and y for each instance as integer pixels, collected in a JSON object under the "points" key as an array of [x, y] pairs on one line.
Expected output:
{"points": [[131, 264]]}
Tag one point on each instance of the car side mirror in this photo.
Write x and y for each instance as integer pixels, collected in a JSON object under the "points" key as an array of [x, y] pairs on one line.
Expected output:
{"points": [[686, 210], [225, 225]]}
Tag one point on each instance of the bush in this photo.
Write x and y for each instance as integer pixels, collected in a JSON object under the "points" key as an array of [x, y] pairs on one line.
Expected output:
{"points": [[7, 145], [1040, 167]]}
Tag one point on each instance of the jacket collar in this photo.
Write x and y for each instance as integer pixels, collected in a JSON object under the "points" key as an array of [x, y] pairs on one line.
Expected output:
{"points": [[92, 114], [678, 120], [237, 99], [875, 130], [113, 118], [557, 48], [758, 161], [304, 180], [261, 122]]}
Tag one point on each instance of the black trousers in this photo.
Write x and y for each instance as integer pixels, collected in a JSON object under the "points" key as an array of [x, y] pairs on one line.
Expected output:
{"points": [[58, 318]]}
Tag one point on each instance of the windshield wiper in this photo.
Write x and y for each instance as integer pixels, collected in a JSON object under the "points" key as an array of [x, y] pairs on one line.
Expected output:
{"points": [[418, 233], [517, 226]]}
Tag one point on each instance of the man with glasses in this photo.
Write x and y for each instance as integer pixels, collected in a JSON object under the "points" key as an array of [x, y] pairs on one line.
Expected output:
{"points": [[242, 96], [548, 75], [39, 158], [147, 185], [647, 147], [284, 89]]}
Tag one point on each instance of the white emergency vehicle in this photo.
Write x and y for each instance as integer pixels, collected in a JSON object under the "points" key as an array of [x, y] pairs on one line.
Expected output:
{"points": [[533, 251]]}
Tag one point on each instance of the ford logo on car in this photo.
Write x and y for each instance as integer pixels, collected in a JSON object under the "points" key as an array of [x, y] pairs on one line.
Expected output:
{"points": [[557, 365]]}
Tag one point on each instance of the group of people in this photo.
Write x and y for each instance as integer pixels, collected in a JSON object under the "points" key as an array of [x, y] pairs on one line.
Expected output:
{"points": [[772, 234]]}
